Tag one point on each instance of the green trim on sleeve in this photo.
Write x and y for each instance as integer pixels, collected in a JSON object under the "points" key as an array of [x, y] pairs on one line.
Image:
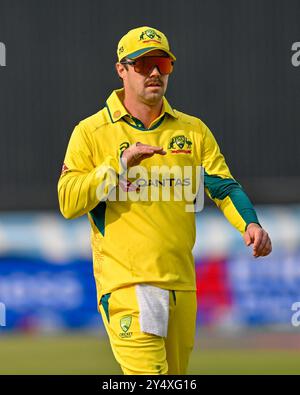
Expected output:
{"points": [[219, 188], [243, 205]]}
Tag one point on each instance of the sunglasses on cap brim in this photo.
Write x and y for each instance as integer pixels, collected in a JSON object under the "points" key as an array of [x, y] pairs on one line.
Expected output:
{"points": [[144, 65]]}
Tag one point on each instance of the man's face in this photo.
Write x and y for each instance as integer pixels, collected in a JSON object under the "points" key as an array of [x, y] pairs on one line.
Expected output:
{"points": [[148, 89]]}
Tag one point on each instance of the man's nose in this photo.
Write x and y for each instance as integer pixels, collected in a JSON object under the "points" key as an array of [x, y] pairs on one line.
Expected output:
{"points": [[155, 71]]}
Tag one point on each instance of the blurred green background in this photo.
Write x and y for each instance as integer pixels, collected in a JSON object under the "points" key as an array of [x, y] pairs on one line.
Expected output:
{"points": [[86, 353]]}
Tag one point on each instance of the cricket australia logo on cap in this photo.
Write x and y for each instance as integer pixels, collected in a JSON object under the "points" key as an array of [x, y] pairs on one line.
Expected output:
{"points": [[150, 35], [180, 145], [125, 323]]}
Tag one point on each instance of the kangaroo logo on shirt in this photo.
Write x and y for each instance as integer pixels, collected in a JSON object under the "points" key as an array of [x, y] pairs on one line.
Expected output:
{"points": [[180, 145]]}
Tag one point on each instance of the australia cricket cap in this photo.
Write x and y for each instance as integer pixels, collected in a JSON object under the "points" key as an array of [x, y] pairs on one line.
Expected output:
{"points": [[141, 40]]}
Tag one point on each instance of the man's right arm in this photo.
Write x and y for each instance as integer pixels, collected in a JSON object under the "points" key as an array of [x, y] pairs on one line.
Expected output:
{"points": [[84, 183]]}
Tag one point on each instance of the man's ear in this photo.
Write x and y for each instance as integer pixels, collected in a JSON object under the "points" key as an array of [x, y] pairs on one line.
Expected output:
{"points": [[120, 69]]}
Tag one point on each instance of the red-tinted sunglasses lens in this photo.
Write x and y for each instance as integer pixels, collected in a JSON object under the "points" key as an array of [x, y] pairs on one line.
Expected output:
{"points": [[146, 64]]}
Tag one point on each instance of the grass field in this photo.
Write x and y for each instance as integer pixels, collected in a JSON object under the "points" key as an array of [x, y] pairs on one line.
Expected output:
{"points": [[77, 353]]}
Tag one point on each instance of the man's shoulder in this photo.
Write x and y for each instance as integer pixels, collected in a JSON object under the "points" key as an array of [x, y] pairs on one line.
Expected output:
{"points": [[190, 120], [95, 121]]}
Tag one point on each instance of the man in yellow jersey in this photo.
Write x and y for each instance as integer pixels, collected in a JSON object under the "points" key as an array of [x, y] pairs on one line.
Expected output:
{"points": [[128, 168]]}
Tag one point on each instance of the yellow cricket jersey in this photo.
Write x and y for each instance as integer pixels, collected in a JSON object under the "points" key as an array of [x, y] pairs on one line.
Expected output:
{"points": [[144, 241]]}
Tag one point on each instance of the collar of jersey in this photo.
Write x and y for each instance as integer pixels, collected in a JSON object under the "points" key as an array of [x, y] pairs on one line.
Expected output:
{"points": [[117, 111]]}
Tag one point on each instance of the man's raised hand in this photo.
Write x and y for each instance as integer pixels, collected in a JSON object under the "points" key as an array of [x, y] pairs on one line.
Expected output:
{"points": [[134, 154]]}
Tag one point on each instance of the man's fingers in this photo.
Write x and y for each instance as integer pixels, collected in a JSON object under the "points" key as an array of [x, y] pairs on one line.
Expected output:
{"points": [[143, 151], [150, 150], [158, 150], [260, 247], [141, 146], [247, 238], [264, 242], [145, 156], [257, 240], [134, 154], [267, 249]]}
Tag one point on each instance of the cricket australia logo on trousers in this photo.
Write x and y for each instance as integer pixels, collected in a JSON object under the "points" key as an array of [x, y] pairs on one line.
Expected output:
{"points": [[125, 323]]}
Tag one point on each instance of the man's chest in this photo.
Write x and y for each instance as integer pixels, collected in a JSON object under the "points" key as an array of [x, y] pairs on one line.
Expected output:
{"points": [[181, 144]]}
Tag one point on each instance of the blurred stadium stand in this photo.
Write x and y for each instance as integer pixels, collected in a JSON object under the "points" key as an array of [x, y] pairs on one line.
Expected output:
{"points": [[46, 279]]}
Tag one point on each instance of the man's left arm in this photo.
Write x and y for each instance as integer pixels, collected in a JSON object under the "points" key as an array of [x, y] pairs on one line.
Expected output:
{"points": [[231, 198]]}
